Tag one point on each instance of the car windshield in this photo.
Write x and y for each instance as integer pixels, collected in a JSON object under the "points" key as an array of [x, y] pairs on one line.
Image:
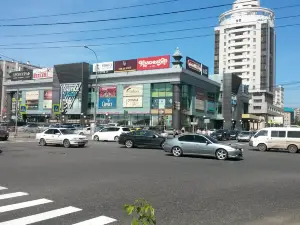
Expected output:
{"points": [[211, 139], [67, 131]]}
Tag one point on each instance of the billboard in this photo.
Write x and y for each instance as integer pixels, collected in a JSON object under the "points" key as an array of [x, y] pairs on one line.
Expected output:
{"points": [[211, 107], [69, 93], [108, 91], [125, 65], [199, 101], [21, 75], [107, 103], [47, 103], [107, 97], [132, 102], [32, 100], [105, 67], [153, 63], [196, 67], [133, 90], [42, 73]]}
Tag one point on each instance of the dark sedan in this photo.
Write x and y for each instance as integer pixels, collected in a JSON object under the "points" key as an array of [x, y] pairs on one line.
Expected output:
{"points": [[234, 134], [141, 138], [221, 135], [4, 134]]}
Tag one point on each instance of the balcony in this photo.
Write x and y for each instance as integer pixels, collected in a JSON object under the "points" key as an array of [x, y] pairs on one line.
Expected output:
{"points": [[239, 63], [245, 49]]}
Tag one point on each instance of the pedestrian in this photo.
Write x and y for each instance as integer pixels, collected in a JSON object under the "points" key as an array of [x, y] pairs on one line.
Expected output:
{"points": [[182, 130], [174, 133], [198, 131]]}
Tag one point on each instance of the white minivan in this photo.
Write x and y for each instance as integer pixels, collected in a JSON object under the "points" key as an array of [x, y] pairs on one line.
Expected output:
{"points": [[287, 138]]}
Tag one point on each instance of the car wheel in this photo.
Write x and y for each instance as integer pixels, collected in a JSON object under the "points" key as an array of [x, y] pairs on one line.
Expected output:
{"points": [[96, 138], [6, 138], [221, 154], [116, 138], [293, 149], [43, 142], [81, 133], [67, 143], [177, 151], [129, 144], [262, 147]]}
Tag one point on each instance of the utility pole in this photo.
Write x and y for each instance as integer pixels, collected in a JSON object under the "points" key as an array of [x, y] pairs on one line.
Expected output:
{"points": [[16, 113]]}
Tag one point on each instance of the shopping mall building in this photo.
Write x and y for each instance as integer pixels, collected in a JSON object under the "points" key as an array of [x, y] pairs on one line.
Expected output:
{"points": [[146, 91]]}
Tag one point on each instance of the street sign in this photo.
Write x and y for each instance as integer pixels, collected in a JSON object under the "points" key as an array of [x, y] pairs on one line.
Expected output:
{"points": [[23, 109], [207, 121], [56, 109], [194, 123]]}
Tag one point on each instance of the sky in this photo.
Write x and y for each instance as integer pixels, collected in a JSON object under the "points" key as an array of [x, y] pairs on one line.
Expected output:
{"points": [[199, 48]]}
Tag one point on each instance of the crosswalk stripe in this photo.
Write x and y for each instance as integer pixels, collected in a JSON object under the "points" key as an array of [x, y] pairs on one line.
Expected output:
{"points": [[2, 188], [101, 220], [12, 195], [42, 216], [21, 205]]}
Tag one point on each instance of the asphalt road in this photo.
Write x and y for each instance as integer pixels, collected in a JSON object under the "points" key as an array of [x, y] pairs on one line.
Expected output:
{"points": [[99, 179]]}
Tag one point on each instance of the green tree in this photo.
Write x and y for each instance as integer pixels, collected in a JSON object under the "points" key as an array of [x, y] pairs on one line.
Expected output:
{"points": [[142, 213]]}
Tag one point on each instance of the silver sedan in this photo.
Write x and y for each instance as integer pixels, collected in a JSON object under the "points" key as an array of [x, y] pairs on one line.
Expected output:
{"points": [[201, 145]]}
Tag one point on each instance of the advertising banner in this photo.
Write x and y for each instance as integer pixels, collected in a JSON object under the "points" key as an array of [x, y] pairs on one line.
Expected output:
{"points": [[211, 107], [47, 103], [108, 91], [153, 63], [125, 65], [133, 90], [21, 75], [199, 101], [32, 95], [204, 70], [42, 73], [69, 93], [132, 102], [107, 103], [105, 67]]}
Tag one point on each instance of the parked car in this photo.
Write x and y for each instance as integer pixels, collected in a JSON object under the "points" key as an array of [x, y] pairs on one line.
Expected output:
{"points": [[201, 145], [61, 136], [4, 134], [110, 133], [244, 136], [222, 135], [287, 138], [141, 138], [84, 131], [234, 134]]}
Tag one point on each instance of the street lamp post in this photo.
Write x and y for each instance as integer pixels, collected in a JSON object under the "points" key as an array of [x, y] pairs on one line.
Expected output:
{"points": [[96, 88]]}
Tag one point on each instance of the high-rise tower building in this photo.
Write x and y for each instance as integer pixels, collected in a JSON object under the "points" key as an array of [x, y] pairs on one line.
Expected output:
{"points": [[245, 46]]}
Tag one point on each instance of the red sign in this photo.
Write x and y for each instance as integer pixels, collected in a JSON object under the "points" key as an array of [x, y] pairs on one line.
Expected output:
{"points": [[108, 92], [154, 63]]}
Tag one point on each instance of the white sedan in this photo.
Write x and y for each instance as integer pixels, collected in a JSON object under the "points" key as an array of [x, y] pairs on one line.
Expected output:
{"points": [[61, 136]]}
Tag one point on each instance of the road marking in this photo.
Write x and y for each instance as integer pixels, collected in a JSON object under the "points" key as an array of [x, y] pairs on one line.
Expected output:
{"points": [[101, 220], [42, 216], [21, 205], [12, 195], [2, 188]]}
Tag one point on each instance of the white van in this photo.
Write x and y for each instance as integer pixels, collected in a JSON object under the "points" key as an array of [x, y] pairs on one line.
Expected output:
{"points": [[287, 138]]}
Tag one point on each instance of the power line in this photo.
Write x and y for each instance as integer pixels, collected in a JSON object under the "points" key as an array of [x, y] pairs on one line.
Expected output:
{"points": [[109, 44], [90, 11], [116, 19]]}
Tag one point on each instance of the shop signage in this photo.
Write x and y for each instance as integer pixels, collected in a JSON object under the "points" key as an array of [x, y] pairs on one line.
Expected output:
{"points": [[133, 90], [162, 103], [153, 63], [32, 95], [132, 102], [196, 67], [69, 93], [21, 75], [107, 103], [42, 73], [105, 67], [199, 101], [108, 91], [125, 65], [211, 107]]}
